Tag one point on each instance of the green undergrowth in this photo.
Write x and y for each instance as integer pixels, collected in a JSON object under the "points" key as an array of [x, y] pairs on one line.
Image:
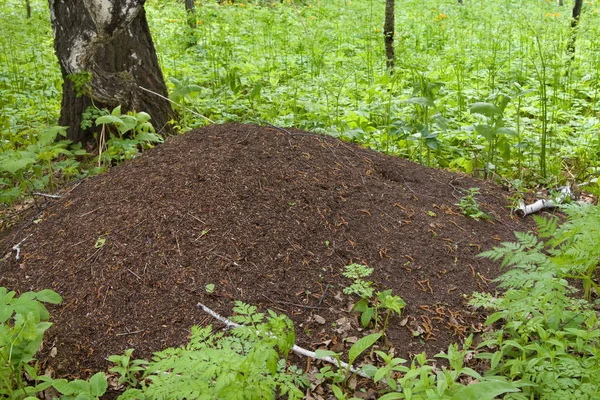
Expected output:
{"points": [[543, 341], [320, 66], [488, 88]]}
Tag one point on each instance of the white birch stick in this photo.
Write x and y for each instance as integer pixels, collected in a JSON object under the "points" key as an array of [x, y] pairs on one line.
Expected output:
{"points": [[296, 349], [524, 210]]}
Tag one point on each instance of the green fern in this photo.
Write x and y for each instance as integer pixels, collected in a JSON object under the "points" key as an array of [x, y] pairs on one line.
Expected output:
{"points": [[245, 364], [550, 338]]}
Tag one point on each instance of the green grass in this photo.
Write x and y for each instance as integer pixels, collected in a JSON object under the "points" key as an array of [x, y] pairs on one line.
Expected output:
{"points": [[320, 66]]}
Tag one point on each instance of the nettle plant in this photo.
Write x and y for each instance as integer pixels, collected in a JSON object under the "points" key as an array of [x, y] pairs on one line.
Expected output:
{"points": [[550, 339], [371, 304]]}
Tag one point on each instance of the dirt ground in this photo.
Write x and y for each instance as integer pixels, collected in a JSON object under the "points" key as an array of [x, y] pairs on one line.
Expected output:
{"points": [[270, 218]]}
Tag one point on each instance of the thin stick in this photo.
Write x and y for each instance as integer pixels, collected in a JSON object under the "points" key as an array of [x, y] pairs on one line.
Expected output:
{"points": [[51, 196], [129, 333], [301, 20], [296, 349], [177, 104]]}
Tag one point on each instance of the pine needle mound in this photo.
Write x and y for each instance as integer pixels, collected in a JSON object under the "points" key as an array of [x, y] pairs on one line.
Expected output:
{"points": [[269, 218]]}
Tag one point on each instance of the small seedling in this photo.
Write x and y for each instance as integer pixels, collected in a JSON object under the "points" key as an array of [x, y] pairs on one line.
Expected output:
{"points": [[370, 305], [210, 288], [100, 242], [469, 206], [341, 375], [127, 368], [359, 287]]}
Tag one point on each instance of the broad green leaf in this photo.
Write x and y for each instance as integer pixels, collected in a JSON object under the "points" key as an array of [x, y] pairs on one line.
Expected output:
{"points": [[494, 317], [49, 135], [370, 370], [5, 312], [392, 396], [98, 384], [79, 386], [484, 390], [507, 131], [7, 196], [361, 345], [422, 101], [13, 165], [512, 343], [486, 131], [380, 374], [48, 296], [326, 353], [440, 121], [361, 305], [487, 109], [62, 385], [337, 392], [143, 117], [129, 124], [108, 119], [255, 92], [496, 357], [433, 144], [148, 137], [367, 316]]}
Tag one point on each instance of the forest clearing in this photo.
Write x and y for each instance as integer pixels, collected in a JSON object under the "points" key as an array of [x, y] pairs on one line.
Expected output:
{"points": [[340, 183]]}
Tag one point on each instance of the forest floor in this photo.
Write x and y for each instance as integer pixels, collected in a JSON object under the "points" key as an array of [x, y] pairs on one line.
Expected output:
{"points": [[270, 218]]}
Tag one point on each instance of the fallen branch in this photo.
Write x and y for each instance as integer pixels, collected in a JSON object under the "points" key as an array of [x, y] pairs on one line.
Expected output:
{"points": [[523, 210], [296, 349]]}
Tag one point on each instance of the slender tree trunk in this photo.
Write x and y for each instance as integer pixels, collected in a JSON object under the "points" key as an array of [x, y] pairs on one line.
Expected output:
{"points": [[576, 13], [28, 8], [460, 1], [190, 8], [561, 2], [574, 24], [388, 34], [107, 56]]}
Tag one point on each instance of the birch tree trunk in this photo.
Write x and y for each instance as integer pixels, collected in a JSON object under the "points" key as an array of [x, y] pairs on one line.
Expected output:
{"points": [[388, 34], [106, 55]]}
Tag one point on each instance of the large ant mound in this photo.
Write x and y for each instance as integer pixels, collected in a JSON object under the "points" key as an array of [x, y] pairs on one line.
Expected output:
{"points": [[268, 217]]}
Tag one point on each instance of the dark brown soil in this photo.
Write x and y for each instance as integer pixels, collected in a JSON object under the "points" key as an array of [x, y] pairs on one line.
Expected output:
{"points": [[269, 218]]}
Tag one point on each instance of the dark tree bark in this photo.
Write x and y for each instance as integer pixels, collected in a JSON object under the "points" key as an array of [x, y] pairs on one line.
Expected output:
{"points": [[28, 8], [107, 56], [388, 34], [191, 13], [460, 1], [574, 22], [561, 2], [576, 13]]}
